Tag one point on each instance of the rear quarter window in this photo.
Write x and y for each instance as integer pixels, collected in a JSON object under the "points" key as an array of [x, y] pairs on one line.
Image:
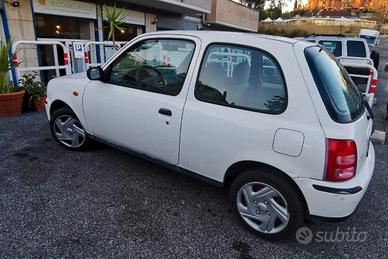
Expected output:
{"points": [[243, 78], [341, 97]]}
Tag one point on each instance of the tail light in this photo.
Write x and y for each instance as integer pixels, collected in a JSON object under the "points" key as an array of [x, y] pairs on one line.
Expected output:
{"points": [[341, 160]]}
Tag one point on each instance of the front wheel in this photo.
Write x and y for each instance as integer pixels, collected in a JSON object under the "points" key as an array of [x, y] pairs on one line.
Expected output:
{"points": [[267, 203], [68, 130]]}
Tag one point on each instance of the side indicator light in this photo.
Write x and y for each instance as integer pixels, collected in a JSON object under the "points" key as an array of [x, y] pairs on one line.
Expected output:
{"points": [[75, 93]]}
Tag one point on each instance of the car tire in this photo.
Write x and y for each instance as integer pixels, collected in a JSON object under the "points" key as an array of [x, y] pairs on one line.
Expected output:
{"points": [[273, 201], [68, 131], [375, 56]]}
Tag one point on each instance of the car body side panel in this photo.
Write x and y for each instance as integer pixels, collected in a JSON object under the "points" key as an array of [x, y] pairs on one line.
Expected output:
{"points": [[69, 89], [358, 130], [214, 137]]}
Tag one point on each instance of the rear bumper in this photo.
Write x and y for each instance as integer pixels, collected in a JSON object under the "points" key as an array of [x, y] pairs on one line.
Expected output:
{"points": [[337, 200]]}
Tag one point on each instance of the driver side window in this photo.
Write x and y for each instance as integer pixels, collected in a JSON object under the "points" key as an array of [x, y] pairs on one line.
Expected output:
{"points": [[154, 65]]}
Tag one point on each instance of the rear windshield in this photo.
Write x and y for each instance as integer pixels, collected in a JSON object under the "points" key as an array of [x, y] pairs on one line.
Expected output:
{"points": [[356, 49], [342, 99]]}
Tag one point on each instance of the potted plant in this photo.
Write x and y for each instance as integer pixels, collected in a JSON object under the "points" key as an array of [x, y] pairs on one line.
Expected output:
{"points": [[11, 99], [116, 19], [36, 91]]}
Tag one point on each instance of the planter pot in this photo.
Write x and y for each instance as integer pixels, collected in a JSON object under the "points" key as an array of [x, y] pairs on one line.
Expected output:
{"points": [[11, 104], [39, 104], [27, 106]]}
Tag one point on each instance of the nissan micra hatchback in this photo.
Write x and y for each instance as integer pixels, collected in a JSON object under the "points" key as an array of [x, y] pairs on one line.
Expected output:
{"points": [[277, 121]]}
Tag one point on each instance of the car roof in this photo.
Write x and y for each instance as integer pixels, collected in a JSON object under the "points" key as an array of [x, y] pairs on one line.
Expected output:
{"points": [[225, 35], [369, 32], [336, 37]]}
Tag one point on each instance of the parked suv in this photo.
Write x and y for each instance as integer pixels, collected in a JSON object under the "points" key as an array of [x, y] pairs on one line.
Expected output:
{"points": [[347, 49], [277, 121]]}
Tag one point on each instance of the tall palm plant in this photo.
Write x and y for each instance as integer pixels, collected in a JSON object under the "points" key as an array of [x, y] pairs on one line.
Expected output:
{"points": [[116, 19], [6, 64]]}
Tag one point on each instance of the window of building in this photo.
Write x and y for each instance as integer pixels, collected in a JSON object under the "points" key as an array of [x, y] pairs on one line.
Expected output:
{"points": [[335, 47], [128, 32], [154, 65], [241, 77], [356, 49], [50, 26]]}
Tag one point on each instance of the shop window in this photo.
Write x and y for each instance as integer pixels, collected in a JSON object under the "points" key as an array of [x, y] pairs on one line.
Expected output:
{"points": [[49, 26], [126, 34]]}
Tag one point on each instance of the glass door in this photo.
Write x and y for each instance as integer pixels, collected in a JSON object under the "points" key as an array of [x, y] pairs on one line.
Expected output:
{"points": [[68, 30]]}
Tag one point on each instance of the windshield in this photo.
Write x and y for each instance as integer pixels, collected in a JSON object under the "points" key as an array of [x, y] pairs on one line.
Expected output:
{"points": [[342, 99], [369, 39]]}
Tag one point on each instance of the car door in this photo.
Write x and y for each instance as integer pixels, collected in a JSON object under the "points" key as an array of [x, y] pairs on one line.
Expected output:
{"points": [[139, 103]]}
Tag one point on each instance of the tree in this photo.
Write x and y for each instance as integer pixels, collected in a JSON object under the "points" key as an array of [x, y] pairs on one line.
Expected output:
{"points": [[257, 5], [296, 5], [272, 4], [116, 19]]}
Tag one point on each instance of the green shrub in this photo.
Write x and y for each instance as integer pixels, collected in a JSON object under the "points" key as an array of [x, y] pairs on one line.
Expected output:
{"points": [[32, 87]]}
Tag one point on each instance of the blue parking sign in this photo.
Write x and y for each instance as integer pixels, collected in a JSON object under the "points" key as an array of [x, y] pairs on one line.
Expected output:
{"points": [[78, 50]]}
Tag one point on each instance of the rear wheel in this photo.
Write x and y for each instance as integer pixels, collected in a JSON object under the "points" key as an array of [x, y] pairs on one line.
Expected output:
{"points": [[267, 203], [375, 56], [68, 130]]}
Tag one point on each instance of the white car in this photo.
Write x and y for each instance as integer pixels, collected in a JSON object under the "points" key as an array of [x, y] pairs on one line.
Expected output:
{"points": [[347, 49], [276, 120], [371, 36]]}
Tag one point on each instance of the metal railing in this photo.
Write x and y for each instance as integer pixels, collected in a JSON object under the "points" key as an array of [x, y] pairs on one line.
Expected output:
{"points": [[56, 67], [372, 77], [87, 57], [349, 61]]}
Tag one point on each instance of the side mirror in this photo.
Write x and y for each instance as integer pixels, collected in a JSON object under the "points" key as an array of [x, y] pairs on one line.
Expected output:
{"points": [[95, 73]]}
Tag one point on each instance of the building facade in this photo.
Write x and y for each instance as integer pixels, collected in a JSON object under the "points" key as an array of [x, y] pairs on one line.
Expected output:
{"points": [[74, 21]]}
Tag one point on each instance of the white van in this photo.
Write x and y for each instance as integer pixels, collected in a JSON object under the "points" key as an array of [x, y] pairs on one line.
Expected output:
{"points": [[371, 36]]}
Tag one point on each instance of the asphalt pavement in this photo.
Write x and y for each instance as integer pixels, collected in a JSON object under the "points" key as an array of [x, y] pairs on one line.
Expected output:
{"points": [[104, 203]]}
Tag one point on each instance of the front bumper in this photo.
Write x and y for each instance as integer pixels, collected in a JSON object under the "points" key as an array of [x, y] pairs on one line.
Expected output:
{"points": [[337, 200], [47, 108]]}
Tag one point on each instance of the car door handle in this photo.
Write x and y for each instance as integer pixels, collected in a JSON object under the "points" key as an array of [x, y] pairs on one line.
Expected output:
{"points": [[165, 111]]}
